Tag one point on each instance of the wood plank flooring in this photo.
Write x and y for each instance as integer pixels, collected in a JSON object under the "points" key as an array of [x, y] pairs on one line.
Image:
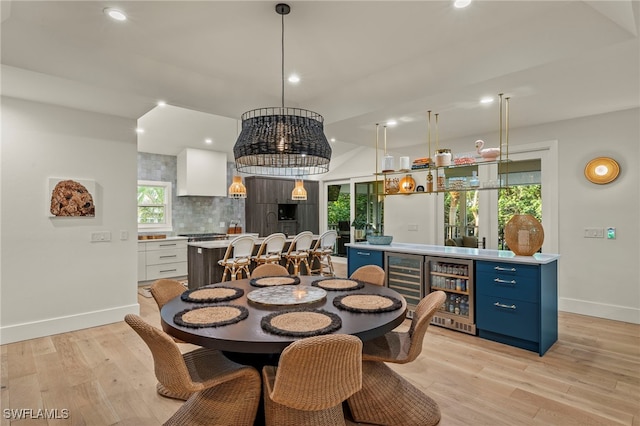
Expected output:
{"points": [[104, 376]]}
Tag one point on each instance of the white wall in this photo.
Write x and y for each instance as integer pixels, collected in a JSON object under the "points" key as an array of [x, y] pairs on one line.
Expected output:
{"points": [[53, 279], [597, 277]]}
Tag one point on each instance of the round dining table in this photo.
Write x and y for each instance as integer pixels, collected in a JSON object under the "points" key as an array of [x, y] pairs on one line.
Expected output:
{"points": [[248, 336]]}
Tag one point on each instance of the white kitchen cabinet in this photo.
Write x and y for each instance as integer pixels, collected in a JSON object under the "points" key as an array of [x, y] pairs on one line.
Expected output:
{"points": [[202, 173], [165, 258], [142, 262]]}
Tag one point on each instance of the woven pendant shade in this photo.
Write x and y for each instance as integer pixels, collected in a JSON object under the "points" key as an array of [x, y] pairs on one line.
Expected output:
{"points": [[237, 188], [282, 141], [524, 234], [299, 193]]}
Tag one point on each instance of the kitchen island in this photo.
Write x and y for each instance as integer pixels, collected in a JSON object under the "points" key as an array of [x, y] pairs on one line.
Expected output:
{"points": [[203, 256], [512, 299]]}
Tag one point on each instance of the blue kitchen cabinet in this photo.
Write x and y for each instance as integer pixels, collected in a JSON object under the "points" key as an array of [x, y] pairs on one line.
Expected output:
{"points": [[517, 304], [357, 257]]}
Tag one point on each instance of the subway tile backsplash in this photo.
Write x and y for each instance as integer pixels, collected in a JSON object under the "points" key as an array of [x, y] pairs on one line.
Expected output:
{"points": [[190, 213]]}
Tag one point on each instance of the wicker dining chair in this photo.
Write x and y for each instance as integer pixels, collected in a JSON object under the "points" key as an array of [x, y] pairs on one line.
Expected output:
{"points": [[321, 254], [401, 347], [298, 252], [269, 270], [164, 290], [315, 375], [372, 274], [270, 250], [220, 391], [386, 397], [237, 258]]}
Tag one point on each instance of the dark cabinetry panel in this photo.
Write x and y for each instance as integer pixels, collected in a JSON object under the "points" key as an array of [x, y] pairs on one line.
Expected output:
{"points": [[262, 212]]}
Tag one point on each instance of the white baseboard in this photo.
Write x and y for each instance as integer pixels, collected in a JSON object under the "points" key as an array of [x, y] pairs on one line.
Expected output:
{"points": [[600, 310], [48, 327]]}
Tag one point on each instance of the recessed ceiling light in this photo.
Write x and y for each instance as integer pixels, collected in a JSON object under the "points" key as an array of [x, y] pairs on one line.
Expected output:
{"points": [[294, 78], [486, 100], [461, 3], [161, 103], [139, 130], [333, 139], [208, 141], [392, 123], [116, 14]]}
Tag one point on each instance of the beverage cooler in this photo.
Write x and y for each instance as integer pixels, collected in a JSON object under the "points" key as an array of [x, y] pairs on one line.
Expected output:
{"points": [[405, 275], [455, 278]]}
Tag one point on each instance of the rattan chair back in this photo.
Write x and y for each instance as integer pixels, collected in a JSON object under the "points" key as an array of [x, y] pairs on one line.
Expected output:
{"points": [[271, 248], [170, 368], [326, 241], [372, 274], [164, 290], [319, 372], [269, 270], [401, 347], [301, 242], [421, 319]]}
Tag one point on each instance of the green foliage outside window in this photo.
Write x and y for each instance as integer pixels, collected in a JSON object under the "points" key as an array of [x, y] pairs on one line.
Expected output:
{"points": [[338, 211], [151, 205]]}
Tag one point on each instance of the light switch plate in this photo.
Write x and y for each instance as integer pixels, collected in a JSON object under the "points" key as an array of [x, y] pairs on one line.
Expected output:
{"points": [[593, 233]]}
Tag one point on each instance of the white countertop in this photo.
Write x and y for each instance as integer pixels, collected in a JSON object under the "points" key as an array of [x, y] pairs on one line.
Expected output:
{"points": [[155, 240], [460, 252]]}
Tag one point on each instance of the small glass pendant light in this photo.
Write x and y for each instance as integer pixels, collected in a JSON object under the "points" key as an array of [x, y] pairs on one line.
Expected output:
{"points": [[299, 193], [237, 188]]}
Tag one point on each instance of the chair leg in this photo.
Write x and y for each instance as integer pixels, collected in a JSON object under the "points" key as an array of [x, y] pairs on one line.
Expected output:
{"points": [[306, 263], [224, 274], [330, 264]]}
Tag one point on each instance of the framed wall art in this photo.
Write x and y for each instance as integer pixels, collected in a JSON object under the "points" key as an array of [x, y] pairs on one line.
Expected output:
{"points": [[71, 197]]}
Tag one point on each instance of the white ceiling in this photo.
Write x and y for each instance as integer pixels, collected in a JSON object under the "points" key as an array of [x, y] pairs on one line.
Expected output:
{"points": [[361, 62]]}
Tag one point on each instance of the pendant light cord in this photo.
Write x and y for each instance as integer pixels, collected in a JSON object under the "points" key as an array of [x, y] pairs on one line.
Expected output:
{"points": [[282, 61]]}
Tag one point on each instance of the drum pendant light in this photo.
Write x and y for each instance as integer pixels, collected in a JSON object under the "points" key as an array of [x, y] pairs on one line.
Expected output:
{"points": [[282, 141]]}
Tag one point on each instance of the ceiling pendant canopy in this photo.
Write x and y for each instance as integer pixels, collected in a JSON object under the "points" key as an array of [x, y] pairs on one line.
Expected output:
{"points": [[282, 141]]}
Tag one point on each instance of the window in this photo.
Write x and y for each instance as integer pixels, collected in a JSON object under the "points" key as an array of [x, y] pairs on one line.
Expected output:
{"points": [[154, 205]]}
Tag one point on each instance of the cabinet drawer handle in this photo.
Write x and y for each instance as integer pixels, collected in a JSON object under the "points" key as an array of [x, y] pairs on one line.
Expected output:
{"points": [[360, 253], [499, 281], [168, 270], [501, 305], [168, 245], [498, 268], [164, 257]]}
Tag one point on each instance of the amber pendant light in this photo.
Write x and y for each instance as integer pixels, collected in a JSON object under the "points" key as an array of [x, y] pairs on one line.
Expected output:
{"points": [[299, 193]]}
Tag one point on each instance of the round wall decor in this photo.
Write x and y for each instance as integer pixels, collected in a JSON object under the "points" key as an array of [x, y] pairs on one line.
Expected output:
{"points": [[602, 170]]}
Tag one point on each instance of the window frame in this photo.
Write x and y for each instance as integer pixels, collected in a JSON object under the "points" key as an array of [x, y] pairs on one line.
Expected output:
{"points": [[168, 224]]}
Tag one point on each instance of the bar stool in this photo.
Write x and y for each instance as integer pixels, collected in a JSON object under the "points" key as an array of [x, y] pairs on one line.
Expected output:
{"points": [[322, 252], [299, 252], [270, 250], [241, 248]]}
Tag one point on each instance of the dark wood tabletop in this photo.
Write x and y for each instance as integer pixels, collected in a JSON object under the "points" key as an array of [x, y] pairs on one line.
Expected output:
{"points": [[247, 336]]}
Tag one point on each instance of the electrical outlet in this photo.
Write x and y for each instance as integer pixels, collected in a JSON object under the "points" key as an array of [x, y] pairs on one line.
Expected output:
{"points": [[593, 232], [97, 237], [412, 227], [124, 235]]}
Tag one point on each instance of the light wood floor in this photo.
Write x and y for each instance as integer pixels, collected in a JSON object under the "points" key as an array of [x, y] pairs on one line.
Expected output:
{"points": [[104, 376]]}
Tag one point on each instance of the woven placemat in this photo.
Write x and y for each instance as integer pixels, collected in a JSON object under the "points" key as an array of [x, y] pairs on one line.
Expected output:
{"points": [[212, 294], [211, 316], [301, 322], [338, 284], [271, 281], [367, 303]]}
